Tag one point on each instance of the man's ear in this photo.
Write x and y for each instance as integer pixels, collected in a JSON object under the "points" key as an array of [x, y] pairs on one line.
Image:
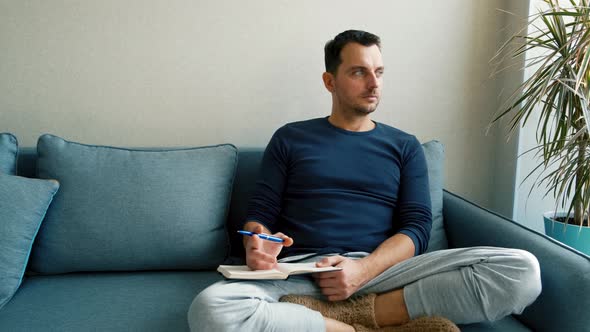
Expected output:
{"points": [[328, 81]]}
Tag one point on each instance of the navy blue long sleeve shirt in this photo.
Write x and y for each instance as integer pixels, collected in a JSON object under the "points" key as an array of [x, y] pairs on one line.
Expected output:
{"points": [[336, 191]]}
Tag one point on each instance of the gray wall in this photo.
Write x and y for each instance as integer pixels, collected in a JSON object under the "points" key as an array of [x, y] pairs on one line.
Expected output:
{"points": [[508, 75], [188, 73]]}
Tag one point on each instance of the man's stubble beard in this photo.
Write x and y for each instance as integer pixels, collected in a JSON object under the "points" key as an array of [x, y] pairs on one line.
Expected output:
{"points": [[364, 110]]}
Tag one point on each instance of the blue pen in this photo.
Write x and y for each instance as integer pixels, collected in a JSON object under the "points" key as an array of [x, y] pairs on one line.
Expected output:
{"points": [[263, 236]]}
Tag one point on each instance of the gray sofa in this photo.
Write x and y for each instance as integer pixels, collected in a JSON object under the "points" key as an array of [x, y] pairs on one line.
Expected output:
{"points": [[157, 300]]}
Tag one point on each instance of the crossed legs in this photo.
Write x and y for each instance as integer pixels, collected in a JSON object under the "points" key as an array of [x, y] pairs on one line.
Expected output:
{"points": [[464, 285]]}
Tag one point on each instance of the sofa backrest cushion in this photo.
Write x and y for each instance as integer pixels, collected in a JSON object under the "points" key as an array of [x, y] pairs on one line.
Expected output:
{"points": [[8, 153], [248, 171], [434, 152], [131, 209]]}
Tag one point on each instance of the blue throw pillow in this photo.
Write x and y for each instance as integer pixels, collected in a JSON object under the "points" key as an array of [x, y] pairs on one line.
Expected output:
{"points": [[23, 203], [127, 209], [8, 153], [434, 152]]}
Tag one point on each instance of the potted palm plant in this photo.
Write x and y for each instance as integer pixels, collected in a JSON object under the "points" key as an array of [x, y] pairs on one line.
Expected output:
{"points": [[556, 97]]}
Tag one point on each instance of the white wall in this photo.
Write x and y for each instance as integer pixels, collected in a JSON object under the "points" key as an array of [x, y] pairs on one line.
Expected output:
{"points": [[187, 73]]}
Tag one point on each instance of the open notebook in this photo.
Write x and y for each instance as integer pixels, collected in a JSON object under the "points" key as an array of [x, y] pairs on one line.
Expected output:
{"points": [[283, 271]]}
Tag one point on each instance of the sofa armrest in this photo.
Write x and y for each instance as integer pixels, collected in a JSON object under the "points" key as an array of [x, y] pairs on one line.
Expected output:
{"points": [[565, 273]]}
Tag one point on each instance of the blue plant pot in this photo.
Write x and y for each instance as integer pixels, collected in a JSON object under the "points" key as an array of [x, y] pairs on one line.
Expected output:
{"points": [[574, 236]]}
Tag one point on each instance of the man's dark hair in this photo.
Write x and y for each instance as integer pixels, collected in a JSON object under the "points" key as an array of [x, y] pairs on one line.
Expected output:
{"points": [[334, 47]]}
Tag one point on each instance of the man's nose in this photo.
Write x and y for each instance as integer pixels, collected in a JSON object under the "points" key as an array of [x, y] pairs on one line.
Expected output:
{"points": [[372, 81]]}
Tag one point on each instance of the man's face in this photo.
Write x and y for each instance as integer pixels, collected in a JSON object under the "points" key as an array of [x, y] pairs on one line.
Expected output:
{"points": [[356, 87]]}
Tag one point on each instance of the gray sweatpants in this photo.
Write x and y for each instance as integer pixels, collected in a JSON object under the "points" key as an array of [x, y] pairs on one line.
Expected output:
{"points": [[465, 285]]}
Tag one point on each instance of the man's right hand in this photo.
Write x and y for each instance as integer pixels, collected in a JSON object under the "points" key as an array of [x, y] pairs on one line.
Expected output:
{"points": [[262, 254]]}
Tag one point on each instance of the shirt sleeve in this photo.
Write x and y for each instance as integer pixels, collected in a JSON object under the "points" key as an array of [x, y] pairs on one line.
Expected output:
{"points": [[264, 206], [414, 212]]}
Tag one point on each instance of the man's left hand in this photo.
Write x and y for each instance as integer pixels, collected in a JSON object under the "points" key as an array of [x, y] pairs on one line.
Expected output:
{"points": [[340, 285]]}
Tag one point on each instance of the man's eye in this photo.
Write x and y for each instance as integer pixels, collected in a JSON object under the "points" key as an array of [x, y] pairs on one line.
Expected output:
{"points": [[358, 73], [379, 73]]}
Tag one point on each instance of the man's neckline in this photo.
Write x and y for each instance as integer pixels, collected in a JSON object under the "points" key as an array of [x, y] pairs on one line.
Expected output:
{"points": [[351, 132]]}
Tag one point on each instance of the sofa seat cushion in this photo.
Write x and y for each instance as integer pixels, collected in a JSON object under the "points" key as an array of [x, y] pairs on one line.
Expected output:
{"points": [[124, 301]]}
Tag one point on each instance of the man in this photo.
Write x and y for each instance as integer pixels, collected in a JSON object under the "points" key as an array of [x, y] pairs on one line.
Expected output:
{"points": [[350, 192]]}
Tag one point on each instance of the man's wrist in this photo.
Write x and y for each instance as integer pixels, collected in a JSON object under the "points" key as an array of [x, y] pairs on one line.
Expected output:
{"points": [[367, 272], [397, 248]]}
